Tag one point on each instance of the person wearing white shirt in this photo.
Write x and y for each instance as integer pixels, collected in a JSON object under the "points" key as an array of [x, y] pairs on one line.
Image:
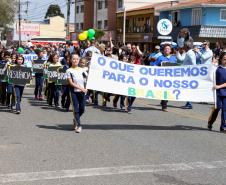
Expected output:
{"points": [[187, 58], [91, 48], [76, 80], [207, 54]]}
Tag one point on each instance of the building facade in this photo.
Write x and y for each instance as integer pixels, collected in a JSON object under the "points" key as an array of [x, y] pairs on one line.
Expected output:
{"points": [[139, 26], [54, 27], [206, 19], [100, 14]]}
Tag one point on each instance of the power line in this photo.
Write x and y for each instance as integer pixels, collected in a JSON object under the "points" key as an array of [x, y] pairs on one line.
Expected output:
{"points": [[44, 5], [37, 15]]}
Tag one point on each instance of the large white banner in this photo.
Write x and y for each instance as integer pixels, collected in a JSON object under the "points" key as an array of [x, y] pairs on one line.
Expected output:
{"points": [[177, 83]]}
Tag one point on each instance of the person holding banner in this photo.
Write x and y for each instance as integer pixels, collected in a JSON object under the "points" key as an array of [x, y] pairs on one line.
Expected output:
{"points": [[76, 80], [165, 58], [221, 94], [188, 58]]}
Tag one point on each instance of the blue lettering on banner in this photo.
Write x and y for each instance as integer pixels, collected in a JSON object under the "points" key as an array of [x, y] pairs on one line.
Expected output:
{"points": [[185, 84], [121, 78], [120, 66], [101, 61], [174, 72], [143, 81]]}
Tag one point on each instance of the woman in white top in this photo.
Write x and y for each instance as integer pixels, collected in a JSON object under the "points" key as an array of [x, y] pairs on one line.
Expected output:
{"points": [[76, 80]]}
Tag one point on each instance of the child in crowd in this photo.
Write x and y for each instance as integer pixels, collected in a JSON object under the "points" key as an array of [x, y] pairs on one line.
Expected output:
{"points": [[75, 75], [19, 88]]}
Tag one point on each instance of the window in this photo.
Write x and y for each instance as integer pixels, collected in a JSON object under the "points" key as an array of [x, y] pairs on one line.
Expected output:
{"points": [[77, 9], [99, 24], [176, 18], [99, 5], [81, 26], [196, 16], [223, 15], [105, 24], [106, 3], [77, 26], [82, 9], [120, 4]]}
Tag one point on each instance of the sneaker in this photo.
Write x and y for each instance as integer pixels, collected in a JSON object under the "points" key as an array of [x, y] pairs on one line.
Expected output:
{"points": [[164, 108], [40, 98], [18, 112], [78, 129], [209, 126], [187, 107], [115, 105], [57, 106], [74, 124], [222, 129], [122, 108]]}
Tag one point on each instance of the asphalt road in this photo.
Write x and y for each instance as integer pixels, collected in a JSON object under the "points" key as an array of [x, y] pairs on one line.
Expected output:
{"points": [[146, 147]]}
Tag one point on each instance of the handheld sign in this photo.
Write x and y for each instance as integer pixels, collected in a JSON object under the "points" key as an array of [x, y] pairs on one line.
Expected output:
{"points": [[19, 75], [53, 73], [169, 64], [3, 72], [38, 66], [62, 76]]}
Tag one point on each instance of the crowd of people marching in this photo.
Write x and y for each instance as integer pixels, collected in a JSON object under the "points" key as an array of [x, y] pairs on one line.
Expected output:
{"points": [[76, 59]]}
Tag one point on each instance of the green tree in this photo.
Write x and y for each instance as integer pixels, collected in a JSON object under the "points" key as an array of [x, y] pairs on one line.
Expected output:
{"points": [[99, 34], [7, 12], [54, 10]]}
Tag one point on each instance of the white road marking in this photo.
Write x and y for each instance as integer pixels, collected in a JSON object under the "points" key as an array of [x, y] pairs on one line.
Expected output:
{"points": [[90, 172]]}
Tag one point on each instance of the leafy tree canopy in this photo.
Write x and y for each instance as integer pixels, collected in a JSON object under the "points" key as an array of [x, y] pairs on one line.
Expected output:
{"points": [[54, 10]]}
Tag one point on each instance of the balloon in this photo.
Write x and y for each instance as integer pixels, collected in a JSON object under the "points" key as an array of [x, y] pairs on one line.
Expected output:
{"points": [[91, 33], [85, 33], [91, 38], [82, 36], [20, 50]]}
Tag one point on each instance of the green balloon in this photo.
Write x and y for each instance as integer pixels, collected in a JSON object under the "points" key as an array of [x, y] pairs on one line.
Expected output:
{"points": [[20, 50], [91, 38], [91, 33]]}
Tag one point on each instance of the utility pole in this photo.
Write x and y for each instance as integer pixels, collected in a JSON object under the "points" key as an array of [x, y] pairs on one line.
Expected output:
{"points": [[19, 16], [124, 25], [27, 6], [68, 17]]}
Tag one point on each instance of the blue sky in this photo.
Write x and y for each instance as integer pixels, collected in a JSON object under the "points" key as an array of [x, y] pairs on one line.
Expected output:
{"points": [[37, 9]]}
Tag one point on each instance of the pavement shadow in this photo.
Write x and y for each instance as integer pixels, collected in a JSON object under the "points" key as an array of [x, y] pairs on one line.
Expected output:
{"points": [[47, 107], [123, 127], [108, 109], [57, 127], [6, 109], [112, 109], [170, 106], [147, 108]]}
